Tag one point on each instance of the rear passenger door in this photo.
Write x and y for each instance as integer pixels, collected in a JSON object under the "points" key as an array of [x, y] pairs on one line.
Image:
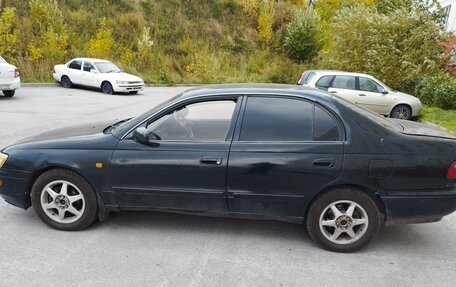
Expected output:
{"points": [[75, 72], [344, 87], [285, 149]]}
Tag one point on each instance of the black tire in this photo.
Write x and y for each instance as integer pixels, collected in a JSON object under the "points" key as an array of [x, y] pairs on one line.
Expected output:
{"points": [[402, 112], [133, 93], [9, 93], [343, 198], [106, 87], [66, 82], [89, 201]]}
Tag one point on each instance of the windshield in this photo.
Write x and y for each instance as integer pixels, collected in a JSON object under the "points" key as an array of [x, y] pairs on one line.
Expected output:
{"points": [[369, 114], [107, 67], [3, 61]]}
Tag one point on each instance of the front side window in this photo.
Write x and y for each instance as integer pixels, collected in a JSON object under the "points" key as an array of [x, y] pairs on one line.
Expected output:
{"points": [[277, 119], [76, 64], [88, 66], [204, 121], [344, 82], [369, 85]]}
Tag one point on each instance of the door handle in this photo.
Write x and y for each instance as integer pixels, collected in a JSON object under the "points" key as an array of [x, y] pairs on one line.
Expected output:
{"points": [[324, 162], [362, 95], [333, 92], [211, 161]]}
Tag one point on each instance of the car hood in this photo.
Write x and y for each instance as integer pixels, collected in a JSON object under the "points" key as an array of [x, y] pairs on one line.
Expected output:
{"points": [[121, 77], [76, 133], [404, 96], [420, 129]]}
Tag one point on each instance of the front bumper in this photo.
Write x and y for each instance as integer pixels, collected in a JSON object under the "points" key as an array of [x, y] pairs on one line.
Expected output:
{"points": [[125, 88], [14, 188], [419, 206], [416, 109], [10, 85]]}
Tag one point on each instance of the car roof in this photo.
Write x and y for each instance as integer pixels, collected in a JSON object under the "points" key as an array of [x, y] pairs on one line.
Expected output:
{"points": [[337, 73], [258, 89], [90, 59]]}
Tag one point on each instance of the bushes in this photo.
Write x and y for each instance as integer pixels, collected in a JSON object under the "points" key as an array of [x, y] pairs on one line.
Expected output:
{"points": [[302, 41], [437, 91]]}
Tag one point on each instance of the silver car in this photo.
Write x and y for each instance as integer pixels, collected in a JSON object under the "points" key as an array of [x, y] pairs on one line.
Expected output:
{"points": [[364, 90], [9, 78]]}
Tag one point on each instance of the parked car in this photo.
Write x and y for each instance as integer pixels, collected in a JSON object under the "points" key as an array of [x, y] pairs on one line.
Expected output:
{"points": [[9, 78], [364, 90], [249, 151], [97, 73]]}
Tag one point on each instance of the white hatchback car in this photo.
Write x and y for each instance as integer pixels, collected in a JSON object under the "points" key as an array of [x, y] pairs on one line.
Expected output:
{"points": [[364, 90], [97, 73], [9, 78]]}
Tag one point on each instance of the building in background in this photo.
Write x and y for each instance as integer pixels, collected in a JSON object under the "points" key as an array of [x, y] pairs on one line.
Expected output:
{"points": [[449, 6]]}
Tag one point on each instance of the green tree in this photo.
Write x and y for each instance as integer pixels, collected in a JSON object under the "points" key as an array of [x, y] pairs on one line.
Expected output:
{"points": [[303, 36], [401, 44]]}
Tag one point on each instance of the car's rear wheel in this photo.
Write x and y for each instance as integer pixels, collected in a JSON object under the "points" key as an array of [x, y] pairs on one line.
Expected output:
{"points": [[9, 93], [66, 82], [106, 87], [343, 220], [402, 112], [64, 200]]}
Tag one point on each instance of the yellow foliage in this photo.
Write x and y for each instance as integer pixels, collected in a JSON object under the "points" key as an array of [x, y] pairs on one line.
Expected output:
{"points": [[34, 53], [251, 7], [127, 57], [101, 46], [8, 37], [265, 21]]}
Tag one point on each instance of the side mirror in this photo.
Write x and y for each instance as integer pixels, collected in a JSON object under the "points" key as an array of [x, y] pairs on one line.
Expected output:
{"points": [[384, 91], [141, 135], [93, 71]]}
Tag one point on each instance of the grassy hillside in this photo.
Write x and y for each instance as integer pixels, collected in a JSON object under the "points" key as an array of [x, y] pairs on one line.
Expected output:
{"points": [[165, 41]]}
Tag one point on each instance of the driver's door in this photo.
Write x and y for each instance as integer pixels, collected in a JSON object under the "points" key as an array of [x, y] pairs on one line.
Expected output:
{"points": [[185, 166]]}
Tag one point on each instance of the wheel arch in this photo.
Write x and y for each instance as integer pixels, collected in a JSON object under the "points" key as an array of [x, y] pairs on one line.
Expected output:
{"points": [[370, 192], [39, 172], [401, 104]]}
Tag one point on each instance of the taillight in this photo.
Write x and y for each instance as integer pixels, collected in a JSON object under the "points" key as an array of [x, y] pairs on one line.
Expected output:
{"points": [[301, 79], [16, 73], [452, 171]]}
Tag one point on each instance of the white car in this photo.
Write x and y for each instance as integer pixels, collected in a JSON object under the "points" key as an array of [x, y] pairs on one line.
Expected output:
{"points": [[9, 78], [97, 73], [364, 90]]}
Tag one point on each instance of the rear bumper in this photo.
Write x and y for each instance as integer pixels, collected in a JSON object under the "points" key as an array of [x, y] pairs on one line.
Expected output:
{"points": [[419, 206], [57, 77], [10, 85], [14, 187]]}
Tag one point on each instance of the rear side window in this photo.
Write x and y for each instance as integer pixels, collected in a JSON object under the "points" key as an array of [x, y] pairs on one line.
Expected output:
{"points": [[277, 119], [75, 65], [344, 82], [326, 127], [324, 82]]}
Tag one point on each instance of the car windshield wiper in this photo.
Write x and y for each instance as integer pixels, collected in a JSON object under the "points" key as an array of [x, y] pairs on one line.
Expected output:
{"points": [[111, 128]]}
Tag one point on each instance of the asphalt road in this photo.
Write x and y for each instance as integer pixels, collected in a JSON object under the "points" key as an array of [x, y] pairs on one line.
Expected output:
{"points": [[158, 249]]}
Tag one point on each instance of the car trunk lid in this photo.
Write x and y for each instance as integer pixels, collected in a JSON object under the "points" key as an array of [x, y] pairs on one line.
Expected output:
{"points": [[421, 129]]}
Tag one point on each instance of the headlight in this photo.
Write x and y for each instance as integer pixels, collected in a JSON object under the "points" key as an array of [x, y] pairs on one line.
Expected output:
{"points": [[3, 158], [122, 82]]}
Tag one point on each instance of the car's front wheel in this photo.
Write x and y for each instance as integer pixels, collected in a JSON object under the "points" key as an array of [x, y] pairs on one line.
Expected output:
{"points": [[64, 200], [402, 112], [9, 93], [343, 220], [106, 87]]}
